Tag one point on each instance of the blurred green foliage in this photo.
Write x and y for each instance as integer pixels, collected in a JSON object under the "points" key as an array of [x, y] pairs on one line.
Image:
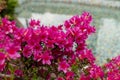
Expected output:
{"points": [[9, 10]]}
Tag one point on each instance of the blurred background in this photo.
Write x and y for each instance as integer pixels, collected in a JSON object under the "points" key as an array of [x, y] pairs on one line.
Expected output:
{"points": [[105, 43]]}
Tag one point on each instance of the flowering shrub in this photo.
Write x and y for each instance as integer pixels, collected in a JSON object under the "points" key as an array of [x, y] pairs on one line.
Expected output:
{"points": [[51, 52]]}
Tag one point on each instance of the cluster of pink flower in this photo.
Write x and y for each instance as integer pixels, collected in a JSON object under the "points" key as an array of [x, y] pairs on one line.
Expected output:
{"points": [[50, 52], [112, 69]]}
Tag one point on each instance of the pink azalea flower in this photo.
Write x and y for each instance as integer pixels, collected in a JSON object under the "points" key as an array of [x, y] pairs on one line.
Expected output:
{"points": [[2, 58], [75, 20], [37, 56], [2, 61], [96, 72], [2, 66], [63, 66], [70, 75], [44, 34], [50, 43], [13, 52], [112, 69], [86, 17], [68, 45], [84, 77], [34, 23], [37, 48], [67, 24], [18, 73], [27, 33], [114, 74], [46, 57], [113, 63], [8, 26], [56, 46], [18, 34], [87, 55], [27, 52]]}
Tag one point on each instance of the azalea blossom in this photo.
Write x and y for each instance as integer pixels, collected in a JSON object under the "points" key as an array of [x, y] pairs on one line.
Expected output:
{"points": [[12, 52], [53, 52], [27, 52], [63, 66], [18, 73], [46, 58], [2, 61], [70, 75]]}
